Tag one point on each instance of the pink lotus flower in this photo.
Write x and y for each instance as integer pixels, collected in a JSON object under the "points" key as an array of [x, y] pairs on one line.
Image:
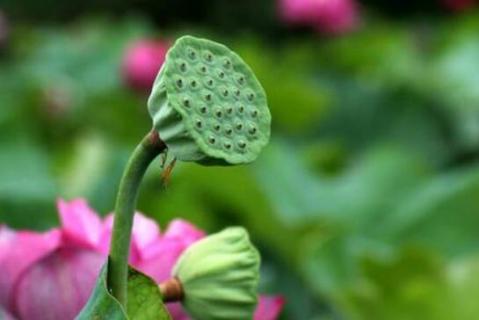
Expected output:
{"points": [[141, 63], [458, 5], [327, 16], [49, 276]]}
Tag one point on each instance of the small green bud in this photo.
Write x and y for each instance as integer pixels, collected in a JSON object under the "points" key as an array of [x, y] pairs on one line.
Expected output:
{"points": [[219, 275], [201, 88]]}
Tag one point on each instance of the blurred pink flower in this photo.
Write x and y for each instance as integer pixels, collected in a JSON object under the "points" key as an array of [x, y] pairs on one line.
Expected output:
{"points": [[4, 29], [269, 307], [326, 16], [458, 5], [141, 63], [58, 268]]}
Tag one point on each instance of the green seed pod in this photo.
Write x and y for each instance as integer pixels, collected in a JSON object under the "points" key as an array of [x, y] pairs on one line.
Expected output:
{"points": [[219, 275], [208, 106]]}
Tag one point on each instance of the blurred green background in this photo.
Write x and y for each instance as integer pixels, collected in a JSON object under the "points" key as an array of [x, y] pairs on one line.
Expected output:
{"points": [[365, 205]]}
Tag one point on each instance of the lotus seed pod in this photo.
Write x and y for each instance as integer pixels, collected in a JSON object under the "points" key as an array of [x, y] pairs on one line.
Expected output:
{"points": [[219, 275], [208, 106]]}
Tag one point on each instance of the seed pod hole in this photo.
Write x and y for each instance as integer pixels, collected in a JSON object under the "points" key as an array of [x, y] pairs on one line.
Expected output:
{"points": [[203, 69], [254, 113], [217, 127], [219, 113], [186, 102], [208, 97], [179, 83], [211, 140], [199, 124], [227, 145], [203, 109], [229, 110], [252, 129], [183, 67], [193, 83], [250, 96], [239, 126], [242, 144], [221, 74], [226, 63], [191, 53], [208, 56]]}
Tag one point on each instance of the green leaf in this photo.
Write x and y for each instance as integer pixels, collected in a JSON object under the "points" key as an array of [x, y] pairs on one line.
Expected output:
{"points": [[379, 179], [102, 305], [27, 185], [410, 285], [310, 99], [144, 300], [441, 214], [24, 169]]}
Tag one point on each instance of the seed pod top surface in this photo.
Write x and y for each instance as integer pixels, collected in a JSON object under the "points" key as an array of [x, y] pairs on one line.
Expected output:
{"points": [[208, 105]]}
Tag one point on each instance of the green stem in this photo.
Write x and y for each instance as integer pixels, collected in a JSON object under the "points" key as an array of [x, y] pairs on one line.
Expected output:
{"points": [[149, 148]]}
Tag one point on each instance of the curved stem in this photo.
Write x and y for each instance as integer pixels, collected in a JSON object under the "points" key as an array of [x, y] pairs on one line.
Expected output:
{"points": [[149, 148]]}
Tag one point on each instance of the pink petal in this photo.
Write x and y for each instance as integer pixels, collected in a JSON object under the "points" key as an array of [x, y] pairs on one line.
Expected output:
{"points": [[294, 11], [107, 228], [157, 259], [161, 257], [19, 250], [176, 311], [7, 235], [4, 315], [327, 16], [269, 307], [184, 230], [458, 5], [145, 232], [80, 224], [58, 286], [340, 16], [105, 239], [142, 62]]}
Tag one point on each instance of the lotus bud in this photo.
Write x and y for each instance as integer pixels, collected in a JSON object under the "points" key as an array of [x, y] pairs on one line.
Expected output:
{"points": [[141, 63], [458, 5], [208, 106], [219, 276]]}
